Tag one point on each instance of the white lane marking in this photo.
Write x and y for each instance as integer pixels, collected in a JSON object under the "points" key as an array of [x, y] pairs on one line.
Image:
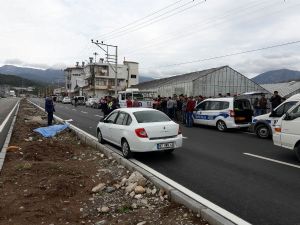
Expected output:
{"points": [[184, 137], [272, 160], [186, 191], [7, 118], [74, 109], [99, 116], [83, 112]]}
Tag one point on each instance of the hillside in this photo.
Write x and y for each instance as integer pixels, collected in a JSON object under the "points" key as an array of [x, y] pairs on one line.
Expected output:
{"points": [[45, 76], [277, 76], [16, 81]]}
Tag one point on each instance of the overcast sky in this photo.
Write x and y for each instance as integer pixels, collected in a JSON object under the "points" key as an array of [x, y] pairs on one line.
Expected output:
{"points": [[57, 33]]}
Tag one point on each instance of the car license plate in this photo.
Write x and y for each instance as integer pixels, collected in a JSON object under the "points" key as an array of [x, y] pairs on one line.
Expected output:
{"points": [[165, 145]]}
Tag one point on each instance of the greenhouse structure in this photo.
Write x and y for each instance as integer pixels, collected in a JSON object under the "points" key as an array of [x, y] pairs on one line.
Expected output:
{"points": [[208, 83]]}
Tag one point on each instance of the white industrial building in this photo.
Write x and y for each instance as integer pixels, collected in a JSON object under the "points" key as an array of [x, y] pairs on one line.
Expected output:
{"points": [[98, 79], [285, 90], [208, 83]]}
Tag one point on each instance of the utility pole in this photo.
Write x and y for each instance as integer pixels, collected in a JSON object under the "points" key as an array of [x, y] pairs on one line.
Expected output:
{"points": [[111, 58], [92, 70], [95, 54]]}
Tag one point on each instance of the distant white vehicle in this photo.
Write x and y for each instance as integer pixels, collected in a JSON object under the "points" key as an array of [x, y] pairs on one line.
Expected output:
{"points": [[287, 130], [140, 130], [139, 98], [224, 113], [66, 100], [263, 125], [90, 102]]}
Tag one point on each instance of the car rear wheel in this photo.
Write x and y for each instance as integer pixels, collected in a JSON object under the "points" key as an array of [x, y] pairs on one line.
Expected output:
{"points": [[126, 150], [297, 151], [169, 151], [221, 126], [100, 137], [262, 131]]}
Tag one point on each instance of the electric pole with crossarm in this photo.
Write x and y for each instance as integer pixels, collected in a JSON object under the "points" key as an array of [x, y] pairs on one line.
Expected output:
{"points": [[111, 58]]}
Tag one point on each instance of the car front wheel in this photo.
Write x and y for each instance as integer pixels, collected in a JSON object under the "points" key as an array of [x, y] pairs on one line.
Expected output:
{"points": [[126, 150], [262, 131], [100, 137]]}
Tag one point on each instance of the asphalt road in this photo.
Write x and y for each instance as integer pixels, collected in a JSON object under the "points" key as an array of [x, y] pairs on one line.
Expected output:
{"points": [[6, 105], [213, 165]]}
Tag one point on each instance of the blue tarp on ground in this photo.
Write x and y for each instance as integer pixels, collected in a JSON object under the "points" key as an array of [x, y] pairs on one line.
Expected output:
{"points": [[51, 131]]}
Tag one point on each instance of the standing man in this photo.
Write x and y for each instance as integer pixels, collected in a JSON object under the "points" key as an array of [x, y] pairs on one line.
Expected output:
{"points": [[190, 106], [262, 104], [275, 100], [129, 103], [49, 108]]}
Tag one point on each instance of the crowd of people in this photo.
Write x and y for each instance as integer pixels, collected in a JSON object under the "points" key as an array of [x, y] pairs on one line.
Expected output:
{"points": [[260, 105], [178, 108]]}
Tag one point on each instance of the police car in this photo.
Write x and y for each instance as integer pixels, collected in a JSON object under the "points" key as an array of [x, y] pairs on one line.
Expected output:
{"points": [[263, 125], [224, 113]]}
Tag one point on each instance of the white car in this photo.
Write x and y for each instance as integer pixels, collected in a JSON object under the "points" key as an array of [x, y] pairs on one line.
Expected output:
{"points": [[140, 130], [287, 130], [90, 102], [224, 113], [263, 125], [66, 100]]}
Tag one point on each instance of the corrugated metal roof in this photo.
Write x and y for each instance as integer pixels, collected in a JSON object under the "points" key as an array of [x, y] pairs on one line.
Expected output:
{"points": [[284, 89], [178, 78]]}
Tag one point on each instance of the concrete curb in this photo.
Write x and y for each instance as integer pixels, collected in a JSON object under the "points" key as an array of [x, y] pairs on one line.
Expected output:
{"points": [[7, 140], [212, 217]]}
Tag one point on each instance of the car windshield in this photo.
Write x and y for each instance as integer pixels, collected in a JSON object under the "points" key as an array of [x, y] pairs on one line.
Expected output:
{"points": [[150, 116]]}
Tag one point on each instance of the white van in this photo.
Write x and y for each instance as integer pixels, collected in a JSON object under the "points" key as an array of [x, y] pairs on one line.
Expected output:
{"points": [[224, 113], [263, 125], [287, 130], [139, 98]]}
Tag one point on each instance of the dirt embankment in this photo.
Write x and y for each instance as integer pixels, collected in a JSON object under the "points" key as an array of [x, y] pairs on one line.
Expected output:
{"points": [[61, 181]]}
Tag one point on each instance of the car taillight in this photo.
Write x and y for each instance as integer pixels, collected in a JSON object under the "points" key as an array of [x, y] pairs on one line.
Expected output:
{"points": [[231, 113], [278, 129], [140, 132]]}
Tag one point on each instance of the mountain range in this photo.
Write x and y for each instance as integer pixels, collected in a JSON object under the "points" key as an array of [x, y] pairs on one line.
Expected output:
{"points": [[44, 76], [277, 76], [49, 76], [52, 76]]}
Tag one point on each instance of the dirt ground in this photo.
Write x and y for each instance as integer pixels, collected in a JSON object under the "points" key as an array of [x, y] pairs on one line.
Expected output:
{"points": [[50, 181]]}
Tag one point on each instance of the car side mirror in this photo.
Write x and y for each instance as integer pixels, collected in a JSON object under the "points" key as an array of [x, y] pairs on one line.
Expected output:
{"points": [[273, 114], [288, 117]]}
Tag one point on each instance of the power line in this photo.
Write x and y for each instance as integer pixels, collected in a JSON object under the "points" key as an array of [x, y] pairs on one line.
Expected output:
{"points": [[209, 22], [154, 20], [140, 19], [231, 54]]}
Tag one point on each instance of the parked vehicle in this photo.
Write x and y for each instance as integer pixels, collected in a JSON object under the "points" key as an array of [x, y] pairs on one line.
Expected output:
{"points": [[287, 130], [263, 125], [224, 113], [80, 100], [66, 100], [140, 130], [90, 102], [139, 98]]}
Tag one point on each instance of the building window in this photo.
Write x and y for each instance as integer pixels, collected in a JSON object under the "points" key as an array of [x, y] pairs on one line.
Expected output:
{"points": [[100, 82], [133, 76], [111, 82]]}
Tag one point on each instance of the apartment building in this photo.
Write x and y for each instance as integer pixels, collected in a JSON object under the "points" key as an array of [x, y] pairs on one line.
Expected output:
{"points": [[98, 79]]}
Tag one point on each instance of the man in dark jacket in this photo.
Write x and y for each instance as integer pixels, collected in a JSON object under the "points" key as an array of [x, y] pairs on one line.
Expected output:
{"points": [[49, 108], [275, 100]]}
